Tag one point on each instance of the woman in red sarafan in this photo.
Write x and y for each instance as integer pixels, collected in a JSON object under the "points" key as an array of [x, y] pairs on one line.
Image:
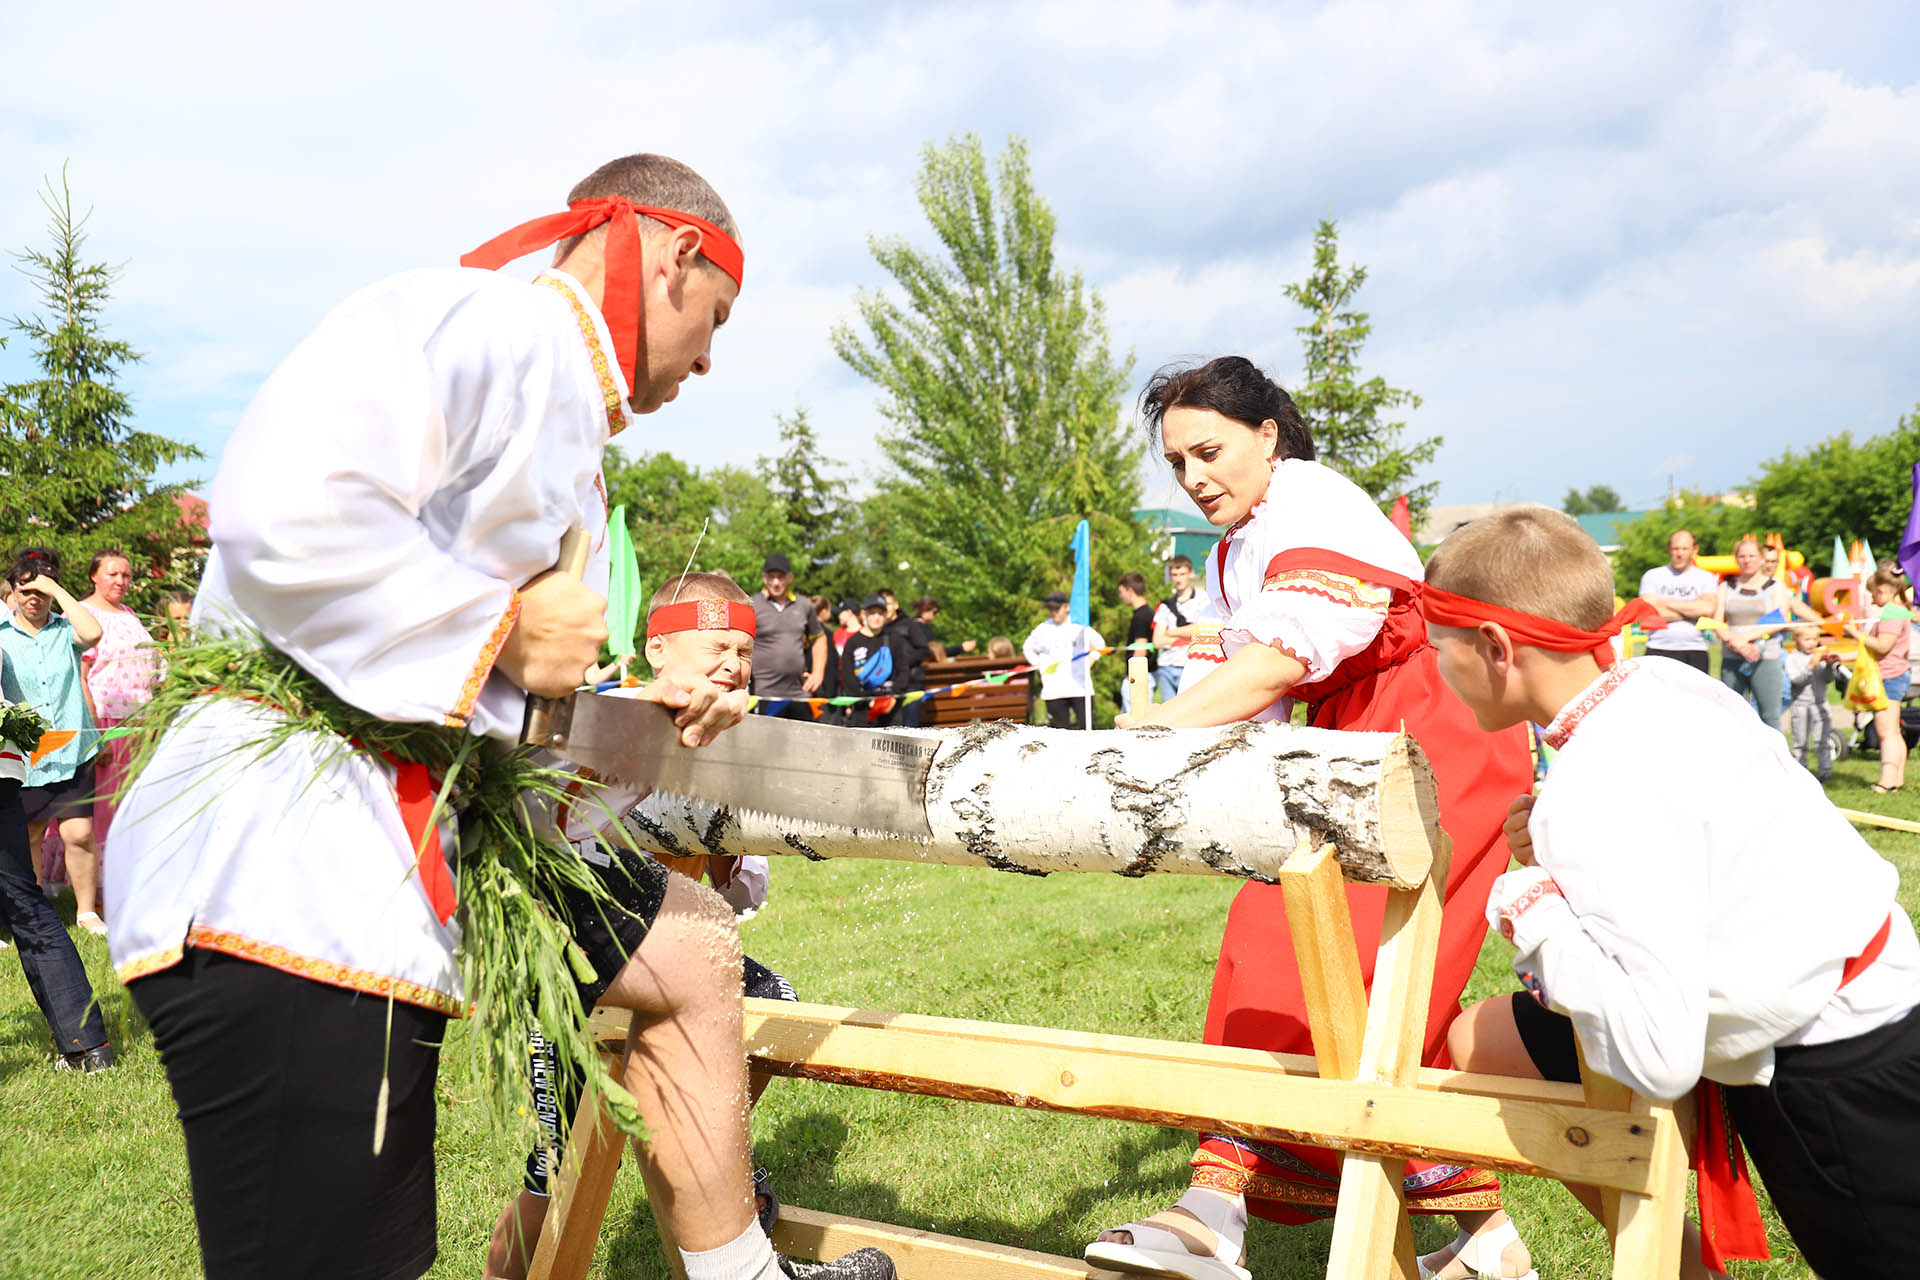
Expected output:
{"points": [[1316, 587]]}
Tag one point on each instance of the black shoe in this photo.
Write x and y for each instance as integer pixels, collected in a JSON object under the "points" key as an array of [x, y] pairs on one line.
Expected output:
{"points": [[768, 1214], [88, 1061], [861, 1264]]}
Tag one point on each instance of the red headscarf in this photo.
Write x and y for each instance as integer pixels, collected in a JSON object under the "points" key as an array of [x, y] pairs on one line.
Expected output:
{"points": [[701, 615], [620, 301]]}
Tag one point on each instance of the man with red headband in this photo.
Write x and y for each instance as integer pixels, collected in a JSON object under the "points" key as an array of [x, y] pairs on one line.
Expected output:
{"points": [[1754, 947], [385, 517]]}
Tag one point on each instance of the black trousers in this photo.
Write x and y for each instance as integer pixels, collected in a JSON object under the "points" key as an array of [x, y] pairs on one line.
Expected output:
{"points": [[1067, 713], [1833, 1135], [1695, 658], [277, 1079]]}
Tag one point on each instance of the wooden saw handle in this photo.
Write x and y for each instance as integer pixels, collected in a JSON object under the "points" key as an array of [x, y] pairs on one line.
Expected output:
{"points": [[538, 727]]}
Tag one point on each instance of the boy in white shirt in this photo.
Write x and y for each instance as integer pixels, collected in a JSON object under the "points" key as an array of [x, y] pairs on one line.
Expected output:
{"points": [[1064, 651], [1754, 943]]}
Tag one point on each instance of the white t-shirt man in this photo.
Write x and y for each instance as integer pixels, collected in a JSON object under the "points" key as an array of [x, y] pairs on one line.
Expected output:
{"points": [[1663, 582]]}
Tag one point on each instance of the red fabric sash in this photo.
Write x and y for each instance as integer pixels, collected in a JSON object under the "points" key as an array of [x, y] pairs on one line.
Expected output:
{"points": [[1730, 1225], [620, 300], [413, 790], [701, 615], [1445, 609]]}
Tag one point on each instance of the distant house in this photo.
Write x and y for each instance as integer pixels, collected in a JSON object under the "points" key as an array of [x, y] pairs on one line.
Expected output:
{"points": [[1178, 533], [1604, 527]]}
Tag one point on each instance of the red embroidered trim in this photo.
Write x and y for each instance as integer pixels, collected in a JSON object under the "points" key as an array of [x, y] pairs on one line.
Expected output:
{"points": [[1534, 895], [1556, 734], [148, 964], [483, 666], [1340, 588]]}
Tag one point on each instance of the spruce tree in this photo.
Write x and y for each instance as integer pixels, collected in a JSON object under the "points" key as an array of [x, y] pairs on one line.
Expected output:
{"points": [[77, 474], [1344, 409]]}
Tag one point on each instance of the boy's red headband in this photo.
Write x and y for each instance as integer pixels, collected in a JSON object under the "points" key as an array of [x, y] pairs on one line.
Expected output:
{"points": [[1445, 609], [700, 615], [620, 299]]}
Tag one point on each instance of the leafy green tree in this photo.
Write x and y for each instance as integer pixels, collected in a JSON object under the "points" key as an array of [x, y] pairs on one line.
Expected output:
{"points": [[76, 474], [1840, 489], [1346, 411], [1003, 398], [1599, 499]]}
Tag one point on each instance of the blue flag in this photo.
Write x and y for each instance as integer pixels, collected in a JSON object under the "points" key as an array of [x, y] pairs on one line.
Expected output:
{"points": [[1079, 603]]}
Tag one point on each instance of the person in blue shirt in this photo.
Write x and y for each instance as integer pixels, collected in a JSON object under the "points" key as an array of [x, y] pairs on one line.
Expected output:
{"points": [[42, 669]]}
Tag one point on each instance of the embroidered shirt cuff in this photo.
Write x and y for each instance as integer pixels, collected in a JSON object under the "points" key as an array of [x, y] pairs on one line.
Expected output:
{"points": [[483, 665], [1526, 906]]}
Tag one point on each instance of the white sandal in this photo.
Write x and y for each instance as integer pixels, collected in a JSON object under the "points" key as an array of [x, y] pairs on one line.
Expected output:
{"points": [[91, 922], [1156, 1251], [1481, 1255]]}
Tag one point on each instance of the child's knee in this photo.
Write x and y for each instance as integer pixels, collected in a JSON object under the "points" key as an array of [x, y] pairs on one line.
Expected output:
{"points": [[1468, 1039]]}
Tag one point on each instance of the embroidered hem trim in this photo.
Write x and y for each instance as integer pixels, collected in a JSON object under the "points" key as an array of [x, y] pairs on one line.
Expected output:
{"points": [[148, 964], [1532, 896], [602, 368], [1555, 735], [483, 666], [334, 975]]}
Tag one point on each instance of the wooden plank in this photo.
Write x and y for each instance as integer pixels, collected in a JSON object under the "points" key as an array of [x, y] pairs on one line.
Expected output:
{"points": [[1652, 1225], [610, 1026], [918, 1255], [1605, 1091], [1372, 1236], [580, 1194], [1253, 1101], [1139, 683], [1327, 957], [1862, 818]]}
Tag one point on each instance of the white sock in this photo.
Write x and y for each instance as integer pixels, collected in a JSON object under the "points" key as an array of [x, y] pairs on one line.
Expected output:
{"points": [[748, 1256], [1226, 1215]]}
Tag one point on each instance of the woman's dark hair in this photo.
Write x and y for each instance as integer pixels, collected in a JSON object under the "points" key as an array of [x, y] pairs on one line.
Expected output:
{"points": [[34, 561], [103, 555], [925, 604], [1233, 387]]}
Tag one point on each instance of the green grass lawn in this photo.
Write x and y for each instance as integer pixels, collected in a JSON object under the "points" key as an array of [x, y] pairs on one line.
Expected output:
{"points": [[94, 1184]]}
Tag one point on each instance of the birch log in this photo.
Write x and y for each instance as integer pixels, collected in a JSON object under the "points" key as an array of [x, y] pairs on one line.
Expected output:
{"points": [[1234, 800]]}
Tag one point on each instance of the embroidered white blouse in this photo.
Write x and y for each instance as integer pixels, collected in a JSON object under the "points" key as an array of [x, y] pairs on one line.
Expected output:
{"points": [[1695, 894], [413, 462], [1321, 618]]}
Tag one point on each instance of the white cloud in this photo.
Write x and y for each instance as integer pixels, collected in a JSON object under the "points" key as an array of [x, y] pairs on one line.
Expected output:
{"points": [[1597, 239]]}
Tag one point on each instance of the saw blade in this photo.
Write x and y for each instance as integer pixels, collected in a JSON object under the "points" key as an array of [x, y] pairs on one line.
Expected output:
{"points": [[868, 780]]}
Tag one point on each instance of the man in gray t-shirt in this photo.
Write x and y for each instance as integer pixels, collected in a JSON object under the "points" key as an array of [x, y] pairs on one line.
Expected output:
{"points": [[789, 647], [1683, 593]]}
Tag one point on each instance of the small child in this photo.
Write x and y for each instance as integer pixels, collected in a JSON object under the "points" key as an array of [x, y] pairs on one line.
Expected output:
{"points": [[697, 624], [1810, 670], [1753, 941]]}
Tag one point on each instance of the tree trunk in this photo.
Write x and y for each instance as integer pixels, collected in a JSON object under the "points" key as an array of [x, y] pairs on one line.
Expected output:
{"points": [[1234, 800]]}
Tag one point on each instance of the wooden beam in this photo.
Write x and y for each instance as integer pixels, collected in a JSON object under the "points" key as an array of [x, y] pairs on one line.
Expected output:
{"points": [[1861, 817], [918, 1255], [580, 1193], [1327, 957], [1032, 1068]]}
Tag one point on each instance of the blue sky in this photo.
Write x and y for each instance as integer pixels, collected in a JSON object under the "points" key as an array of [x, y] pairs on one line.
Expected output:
{"points": [[1611, 244]]}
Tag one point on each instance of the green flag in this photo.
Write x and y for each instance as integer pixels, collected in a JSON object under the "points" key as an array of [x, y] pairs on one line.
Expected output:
{"points": [[623, 587]]}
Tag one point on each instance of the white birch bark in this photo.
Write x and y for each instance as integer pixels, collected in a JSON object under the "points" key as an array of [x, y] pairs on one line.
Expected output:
{"points": [[1234, 800]]}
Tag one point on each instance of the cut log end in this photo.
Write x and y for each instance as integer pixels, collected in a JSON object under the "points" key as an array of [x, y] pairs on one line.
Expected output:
{"points": [[1409, 814]]}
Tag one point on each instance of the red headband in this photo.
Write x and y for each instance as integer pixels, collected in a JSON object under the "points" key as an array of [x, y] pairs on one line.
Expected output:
{"points": [[700, 615], [1445, 609], [620, 301]]}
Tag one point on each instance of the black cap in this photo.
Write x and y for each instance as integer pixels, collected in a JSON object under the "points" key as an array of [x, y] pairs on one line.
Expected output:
{"points": [[874, 602], [1057, 598], [849, 605], [777, 563]]}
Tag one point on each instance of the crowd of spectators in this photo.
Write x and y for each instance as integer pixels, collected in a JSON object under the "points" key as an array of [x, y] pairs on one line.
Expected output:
{"points": [[1772, 651], [86, 666]]}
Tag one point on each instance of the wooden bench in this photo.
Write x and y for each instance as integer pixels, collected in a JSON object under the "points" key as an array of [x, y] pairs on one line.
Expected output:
{"points": [[1363, 1092], [1012, 700]]}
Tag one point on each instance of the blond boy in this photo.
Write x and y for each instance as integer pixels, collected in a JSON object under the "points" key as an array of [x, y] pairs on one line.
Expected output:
{"points": [[1753, 942]]}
